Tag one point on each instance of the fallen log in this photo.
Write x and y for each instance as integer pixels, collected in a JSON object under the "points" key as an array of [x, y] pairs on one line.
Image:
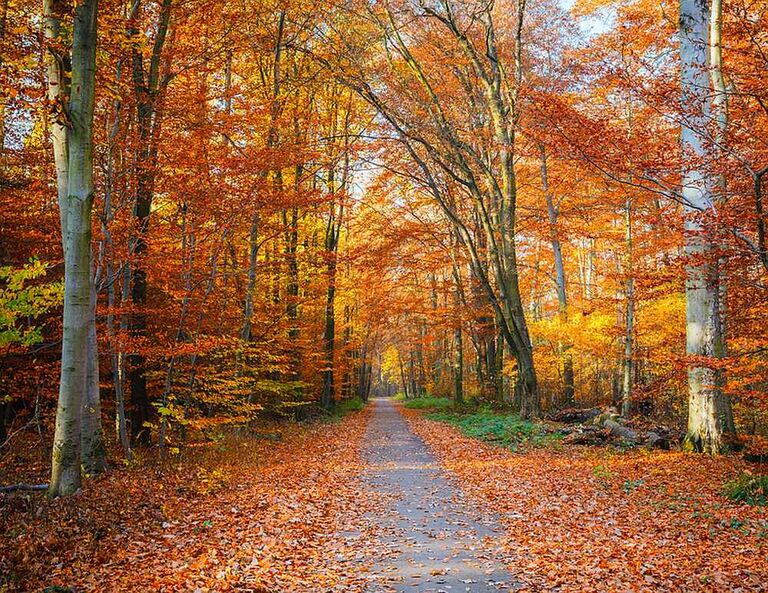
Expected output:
{"points": [[588, 436], [620, 431], [25, 487], [574, 415]]}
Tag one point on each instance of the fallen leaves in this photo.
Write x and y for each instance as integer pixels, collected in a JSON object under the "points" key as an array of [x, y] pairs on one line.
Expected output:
{"points": [[277, 517], [591, 520]]}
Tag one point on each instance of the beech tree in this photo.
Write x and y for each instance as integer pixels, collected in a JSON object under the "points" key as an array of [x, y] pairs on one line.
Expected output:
{"points": [[72, 95], [704, 330]]}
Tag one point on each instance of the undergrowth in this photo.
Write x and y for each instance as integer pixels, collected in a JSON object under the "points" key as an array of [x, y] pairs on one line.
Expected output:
{"points": [[748, 488], [428, 403], [507, 430], [345, 406]]}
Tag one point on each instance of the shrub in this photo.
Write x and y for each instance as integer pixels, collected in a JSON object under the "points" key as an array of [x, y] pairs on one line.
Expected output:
{"points": [[748, 488], [346, 406]]}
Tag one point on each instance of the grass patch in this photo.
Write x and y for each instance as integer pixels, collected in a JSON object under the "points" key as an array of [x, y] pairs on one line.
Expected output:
{"points": [[341, 409], [748, 488], [353, 404], [399, 397], [428, 403], [498, 428]]}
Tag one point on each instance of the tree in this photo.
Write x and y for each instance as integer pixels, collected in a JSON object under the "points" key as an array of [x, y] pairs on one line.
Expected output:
{"points": [[704, 336], [73, 147]]}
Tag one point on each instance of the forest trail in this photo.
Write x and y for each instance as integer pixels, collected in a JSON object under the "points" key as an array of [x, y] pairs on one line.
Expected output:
{"points": [[435, 540]]}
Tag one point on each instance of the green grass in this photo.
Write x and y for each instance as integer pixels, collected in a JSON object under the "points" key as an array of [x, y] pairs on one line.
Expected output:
{"points": [[399, 396], [428, 403], [341, 409], [502, 429], [748, 488], [345, 406]]}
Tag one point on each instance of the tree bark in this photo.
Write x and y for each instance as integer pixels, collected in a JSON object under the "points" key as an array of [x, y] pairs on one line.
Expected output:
{"points": [[720, 108], [458, 360], [76, 233], [94, 453], [705, 430], [629, 315], [149, 88], [562, 294]]}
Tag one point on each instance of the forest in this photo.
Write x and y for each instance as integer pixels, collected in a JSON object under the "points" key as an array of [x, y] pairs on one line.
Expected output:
{"points": [[383, 295]]}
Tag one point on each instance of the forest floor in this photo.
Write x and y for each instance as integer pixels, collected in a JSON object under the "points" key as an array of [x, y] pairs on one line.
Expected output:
{"points": [[389, 500], [589, 519], [240, 515]]}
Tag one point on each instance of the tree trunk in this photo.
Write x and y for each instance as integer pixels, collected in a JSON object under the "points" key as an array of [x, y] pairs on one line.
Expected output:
{"points": [[720, 108], [629, 316], [562, 294], [149, 88], [250, 290], [703, 339], [403, 378], [76, 233], [333, 228], [117, 357], [458, 362], [94, 454]]}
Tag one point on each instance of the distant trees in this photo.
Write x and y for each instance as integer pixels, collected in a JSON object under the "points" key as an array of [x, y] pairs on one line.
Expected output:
{"points": [[470, 177]]}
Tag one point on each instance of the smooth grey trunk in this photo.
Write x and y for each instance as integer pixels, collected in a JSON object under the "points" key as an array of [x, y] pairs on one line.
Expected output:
{"points": [[629, 314], [720, 109], [703, 339], [553, 213], [76, 233]]}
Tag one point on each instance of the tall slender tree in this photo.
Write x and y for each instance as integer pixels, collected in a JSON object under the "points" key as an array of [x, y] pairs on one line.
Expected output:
{"points": [[704, 337], [73, 147]]}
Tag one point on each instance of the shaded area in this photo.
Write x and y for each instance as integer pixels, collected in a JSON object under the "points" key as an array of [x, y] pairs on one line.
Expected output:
{"points": [[435, 541]]}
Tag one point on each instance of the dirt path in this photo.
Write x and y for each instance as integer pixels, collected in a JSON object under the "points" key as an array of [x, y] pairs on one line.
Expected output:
{"points": [[436, 541]]}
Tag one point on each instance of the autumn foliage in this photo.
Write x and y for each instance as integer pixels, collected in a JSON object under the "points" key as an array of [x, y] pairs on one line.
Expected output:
{"points": [[294, 206]]}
